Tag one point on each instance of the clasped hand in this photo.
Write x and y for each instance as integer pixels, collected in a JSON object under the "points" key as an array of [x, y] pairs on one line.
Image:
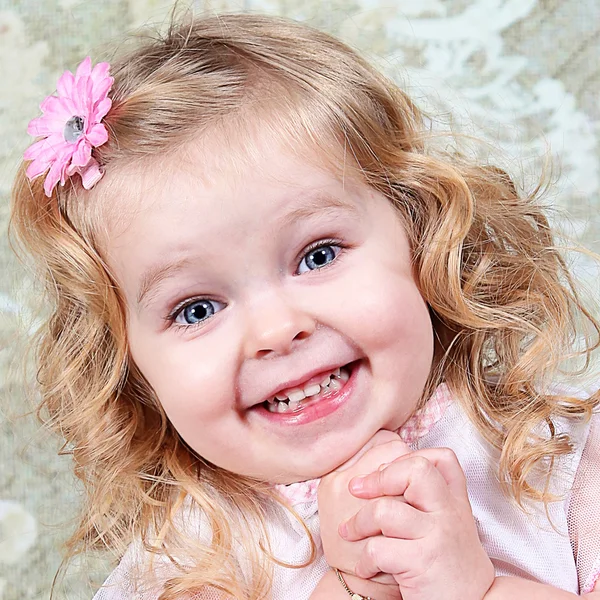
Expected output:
{"points": [[403, 519]]}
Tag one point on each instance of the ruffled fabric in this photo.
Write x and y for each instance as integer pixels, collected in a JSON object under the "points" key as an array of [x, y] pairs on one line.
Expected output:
{"points": [[303, 492], [424, 419]]}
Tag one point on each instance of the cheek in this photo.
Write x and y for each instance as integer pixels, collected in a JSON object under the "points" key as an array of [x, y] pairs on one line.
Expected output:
{"points": [[402, 324], [191, 379], [383, 309]]}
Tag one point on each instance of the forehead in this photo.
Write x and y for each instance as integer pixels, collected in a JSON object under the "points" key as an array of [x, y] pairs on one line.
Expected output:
{"points": [[197, 204], [223, 162]]}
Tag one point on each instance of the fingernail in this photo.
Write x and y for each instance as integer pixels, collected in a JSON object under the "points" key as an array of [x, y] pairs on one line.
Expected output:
{"points": [[343, 530], [357, 484], [383, 466]]}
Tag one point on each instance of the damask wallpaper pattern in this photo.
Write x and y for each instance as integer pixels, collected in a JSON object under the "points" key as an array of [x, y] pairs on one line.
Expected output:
{"points": [[521, 74]]}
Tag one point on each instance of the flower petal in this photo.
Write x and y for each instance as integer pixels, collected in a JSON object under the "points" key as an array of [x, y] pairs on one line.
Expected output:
{"points": [[64, 160], [53, 177], [82, 154], [101, 89], [100, 72], [71, 108], [91, 174], [84, 69], [55, 108], [44, 126], [101, 109], [64, 86], [34, 151], [36, 168], [83, 96], [60, 147], [97, 136], [46, 149]]}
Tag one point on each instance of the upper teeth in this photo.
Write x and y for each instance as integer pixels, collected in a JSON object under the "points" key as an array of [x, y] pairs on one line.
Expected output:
{"points": [[332, 381]]}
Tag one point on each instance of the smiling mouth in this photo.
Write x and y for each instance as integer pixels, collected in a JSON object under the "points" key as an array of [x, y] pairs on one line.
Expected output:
{"points": [[296, 399]]}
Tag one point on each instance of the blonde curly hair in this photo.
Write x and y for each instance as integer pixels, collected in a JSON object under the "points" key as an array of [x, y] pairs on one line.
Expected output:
{"points": [[503, 305]]}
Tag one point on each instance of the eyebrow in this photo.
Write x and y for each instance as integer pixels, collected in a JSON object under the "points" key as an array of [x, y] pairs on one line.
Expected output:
{"points": [[311, 205], [318, 204], [156, 274]]}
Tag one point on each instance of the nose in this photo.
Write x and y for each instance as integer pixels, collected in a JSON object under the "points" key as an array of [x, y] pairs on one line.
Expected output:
{"points": [[275, 324]]}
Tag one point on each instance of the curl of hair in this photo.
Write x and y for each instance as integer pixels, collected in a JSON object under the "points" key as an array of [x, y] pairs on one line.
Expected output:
{"points": [[503, 305]]}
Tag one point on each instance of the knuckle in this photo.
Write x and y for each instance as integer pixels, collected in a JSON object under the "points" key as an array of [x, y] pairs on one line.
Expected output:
{"points": [[420, 556], [387, 476], [381, 478], [332, 486], [398, 447], [384, 436], [392, 518], [370, 551], [382, 510], [421, 466], [448, 455]]}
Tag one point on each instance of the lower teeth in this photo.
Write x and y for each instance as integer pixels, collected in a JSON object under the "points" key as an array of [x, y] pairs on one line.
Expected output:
{"points": [[335, 384]]}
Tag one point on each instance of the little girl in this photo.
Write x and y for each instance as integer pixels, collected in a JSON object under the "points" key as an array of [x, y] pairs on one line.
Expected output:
{"points": [[262, 276]]}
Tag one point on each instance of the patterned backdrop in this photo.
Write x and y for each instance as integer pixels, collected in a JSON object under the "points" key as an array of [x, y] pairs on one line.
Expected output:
{"points": [[523, 74]]}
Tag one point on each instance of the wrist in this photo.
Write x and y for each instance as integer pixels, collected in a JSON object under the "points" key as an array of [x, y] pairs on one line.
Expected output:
{"points": [[370, 588]]}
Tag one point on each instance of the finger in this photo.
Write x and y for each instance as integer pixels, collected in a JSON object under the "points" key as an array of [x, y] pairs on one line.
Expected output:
{"points": [[388, 516], [381, 455], [413, 477], [383, 436], [385, 555], [446, 462]]}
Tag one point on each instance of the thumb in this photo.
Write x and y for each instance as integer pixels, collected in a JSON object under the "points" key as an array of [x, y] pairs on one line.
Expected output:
{"points": [[383, 436]]}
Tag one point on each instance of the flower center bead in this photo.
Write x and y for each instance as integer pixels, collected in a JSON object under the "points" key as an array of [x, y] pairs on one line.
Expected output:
{"points": [[73, 129]]}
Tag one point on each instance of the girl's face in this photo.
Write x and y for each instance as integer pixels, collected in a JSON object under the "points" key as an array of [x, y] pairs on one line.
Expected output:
{"points": [[252, 282]]}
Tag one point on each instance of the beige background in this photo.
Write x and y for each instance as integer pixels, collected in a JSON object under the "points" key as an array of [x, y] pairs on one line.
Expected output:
{"points": [[526, 73]]}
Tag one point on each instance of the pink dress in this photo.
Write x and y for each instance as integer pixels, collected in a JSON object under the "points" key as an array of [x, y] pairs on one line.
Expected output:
{"points": [[560, 548]]}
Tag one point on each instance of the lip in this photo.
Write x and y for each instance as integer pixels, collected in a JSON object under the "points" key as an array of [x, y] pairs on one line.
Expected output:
{"points": [[314, 376], [320, 409]]}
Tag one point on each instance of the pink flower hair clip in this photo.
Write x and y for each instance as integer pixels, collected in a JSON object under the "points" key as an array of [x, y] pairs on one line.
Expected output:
{"points": [[70, 127]]}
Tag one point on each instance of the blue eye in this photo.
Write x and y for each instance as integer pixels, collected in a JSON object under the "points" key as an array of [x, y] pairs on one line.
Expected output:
{"points": [[198, 311], [318, 257]]}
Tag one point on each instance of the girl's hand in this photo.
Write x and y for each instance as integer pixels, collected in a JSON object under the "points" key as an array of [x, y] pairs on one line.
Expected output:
{"points": [[337, 504], [418, 526]]}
